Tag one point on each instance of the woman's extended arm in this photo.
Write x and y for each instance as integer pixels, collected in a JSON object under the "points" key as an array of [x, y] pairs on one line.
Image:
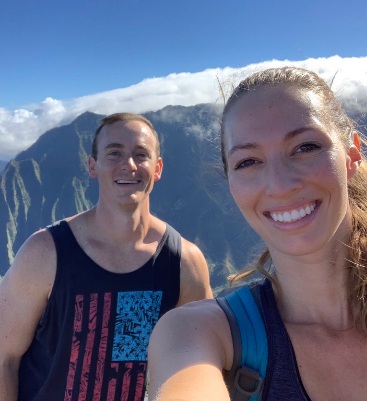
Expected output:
{"points": [[189, 348]]}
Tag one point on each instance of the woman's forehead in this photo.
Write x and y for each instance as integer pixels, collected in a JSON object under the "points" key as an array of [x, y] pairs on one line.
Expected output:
{"points": [[268, 96], [269, 116], [257, 107]]}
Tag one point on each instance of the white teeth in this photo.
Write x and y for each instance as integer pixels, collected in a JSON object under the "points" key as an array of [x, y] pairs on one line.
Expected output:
{"points": [[126, 182], [293, 215], [287, 217]]}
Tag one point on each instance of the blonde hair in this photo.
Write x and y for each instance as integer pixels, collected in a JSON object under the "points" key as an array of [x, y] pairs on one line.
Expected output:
{"points": [[332, 113]]}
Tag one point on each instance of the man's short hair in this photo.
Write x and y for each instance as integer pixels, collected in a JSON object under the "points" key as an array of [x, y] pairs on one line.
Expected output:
{"points": [[125, 117]]}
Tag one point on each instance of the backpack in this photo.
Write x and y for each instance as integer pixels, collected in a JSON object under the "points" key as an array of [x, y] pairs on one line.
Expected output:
{"points": [[243, 309]]}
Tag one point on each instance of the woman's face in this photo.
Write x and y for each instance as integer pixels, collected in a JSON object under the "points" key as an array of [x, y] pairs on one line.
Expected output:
{"points": [[288, 169]]}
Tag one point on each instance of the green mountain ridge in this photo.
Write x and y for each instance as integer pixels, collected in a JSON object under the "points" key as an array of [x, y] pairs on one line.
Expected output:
{"points": [[3, 163], [49, 181]]}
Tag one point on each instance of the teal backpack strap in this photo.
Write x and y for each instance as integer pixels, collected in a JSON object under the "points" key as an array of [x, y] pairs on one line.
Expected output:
{"points": [[247, 375]]}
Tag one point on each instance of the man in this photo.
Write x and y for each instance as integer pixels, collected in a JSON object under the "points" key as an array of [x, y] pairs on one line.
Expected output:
{"points": [[80, 301]]}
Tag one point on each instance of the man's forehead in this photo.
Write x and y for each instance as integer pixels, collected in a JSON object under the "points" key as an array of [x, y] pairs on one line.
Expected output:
{"points": [[129, 126], [121, 133]]}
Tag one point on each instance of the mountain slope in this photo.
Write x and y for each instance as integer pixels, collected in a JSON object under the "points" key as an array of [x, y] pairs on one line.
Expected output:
{"points": [[50, 181], [2, 165]]}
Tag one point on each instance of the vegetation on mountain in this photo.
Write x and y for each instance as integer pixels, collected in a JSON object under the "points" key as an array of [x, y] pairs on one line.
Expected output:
{"points": [[50, 181], [2, 165]]}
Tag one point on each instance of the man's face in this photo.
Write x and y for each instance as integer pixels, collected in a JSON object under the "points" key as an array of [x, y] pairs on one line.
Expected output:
{"points": [[127, 164]]}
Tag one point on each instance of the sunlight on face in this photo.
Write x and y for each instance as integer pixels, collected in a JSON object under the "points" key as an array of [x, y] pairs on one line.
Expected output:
{"points": [[127, 165], [287, 169]]}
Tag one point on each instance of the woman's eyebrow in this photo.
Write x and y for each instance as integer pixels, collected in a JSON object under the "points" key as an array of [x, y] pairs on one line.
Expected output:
{"points": [[288, 136], [249, 145], [291, 134]]}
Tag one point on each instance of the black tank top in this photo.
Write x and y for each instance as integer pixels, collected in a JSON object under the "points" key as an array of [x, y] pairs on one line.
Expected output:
{"points": [[283, 380], [91, 343]]}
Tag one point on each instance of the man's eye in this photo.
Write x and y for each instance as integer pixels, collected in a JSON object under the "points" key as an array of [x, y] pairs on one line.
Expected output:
{"points": [[113, 153], [144, 154]]}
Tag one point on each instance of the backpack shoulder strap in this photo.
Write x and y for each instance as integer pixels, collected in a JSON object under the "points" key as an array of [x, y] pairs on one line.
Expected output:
{"points": [[243, 310]]}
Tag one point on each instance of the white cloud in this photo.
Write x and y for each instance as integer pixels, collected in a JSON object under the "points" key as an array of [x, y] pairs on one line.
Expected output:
{"points": [[20, 128]]}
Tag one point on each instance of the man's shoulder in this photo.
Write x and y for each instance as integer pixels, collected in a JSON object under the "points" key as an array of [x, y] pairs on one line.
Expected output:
{"points": [[36, 258], [163, 232], [190, 249], [194, 278], [39, 239]]}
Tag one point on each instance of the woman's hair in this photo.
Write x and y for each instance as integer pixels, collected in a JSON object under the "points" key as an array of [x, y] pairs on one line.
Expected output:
{"points": [[333, 115]]}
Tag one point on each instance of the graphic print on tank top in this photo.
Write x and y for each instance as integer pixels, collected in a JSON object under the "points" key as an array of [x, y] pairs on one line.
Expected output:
{"points": [[125, 364], [137, 313]]}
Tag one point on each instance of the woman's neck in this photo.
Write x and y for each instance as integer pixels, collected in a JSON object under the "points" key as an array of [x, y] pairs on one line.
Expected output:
{"points": [[312, 291]]}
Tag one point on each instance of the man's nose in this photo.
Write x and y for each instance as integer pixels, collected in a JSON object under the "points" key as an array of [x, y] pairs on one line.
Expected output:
{"points": [[128, 163]]}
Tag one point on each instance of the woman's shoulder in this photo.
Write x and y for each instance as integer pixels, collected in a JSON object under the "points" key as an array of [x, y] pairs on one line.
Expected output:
{"points": [[200, 325], [201, 312]]}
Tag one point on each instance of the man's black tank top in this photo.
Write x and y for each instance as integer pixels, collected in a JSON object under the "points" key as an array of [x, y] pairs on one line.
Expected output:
{"points": [[91, 343]]}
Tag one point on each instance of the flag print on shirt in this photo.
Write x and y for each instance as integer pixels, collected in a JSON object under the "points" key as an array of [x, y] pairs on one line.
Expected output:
{"points": [[111, 369]]}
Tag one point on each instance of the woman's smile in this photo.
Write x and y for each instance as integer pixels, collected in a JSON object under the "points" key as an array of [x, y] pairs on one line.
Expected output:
{"points": [[289, 216]]}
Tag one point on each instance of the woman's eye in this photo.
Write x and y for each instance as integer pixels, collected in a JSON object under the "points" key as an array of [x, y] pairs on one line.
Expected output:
{"points": [[245, 163], [307, 147]]}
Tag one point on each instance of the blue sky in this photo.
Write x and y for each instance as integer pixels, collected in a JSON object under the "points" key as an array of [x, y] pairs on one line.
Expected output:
{"points": [[54, 53]]}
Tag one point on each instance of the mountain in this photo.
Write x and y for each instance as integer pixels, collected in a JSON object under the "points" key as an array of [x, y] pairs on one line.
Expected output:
{"points": [[49, 181], [2, 165]]}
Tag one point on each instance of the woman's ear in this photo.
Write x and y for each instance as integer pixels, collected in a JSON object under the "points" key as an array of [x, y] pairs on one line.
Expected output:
{"points": [[357, 141], [354, 158]]}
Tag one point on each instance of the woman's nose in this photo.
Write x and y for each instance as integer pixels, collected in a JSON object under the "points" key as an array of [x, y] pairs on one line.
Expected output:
{"points": [[282, 179]]}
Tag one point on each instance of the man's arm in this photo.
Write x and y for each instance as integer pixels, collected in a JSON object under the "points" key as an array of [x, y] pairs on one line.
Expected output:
{"points": [[24, 293], [194, 274], [188, 349]]}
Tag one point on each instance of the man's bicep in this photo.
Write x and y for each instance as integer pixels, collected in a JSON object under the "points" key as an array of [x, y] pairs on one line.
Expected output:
{"points": [[194, 277]]}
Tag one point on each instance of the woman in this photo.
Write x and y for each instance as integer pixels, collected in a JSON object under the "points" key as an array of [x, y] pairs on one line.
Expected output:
{"points": [[297, 173]]}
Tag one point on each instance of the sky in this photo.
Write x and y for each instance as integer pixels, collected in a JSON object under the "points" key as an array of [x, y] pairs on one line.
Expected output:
{"points": [[61, 58]]}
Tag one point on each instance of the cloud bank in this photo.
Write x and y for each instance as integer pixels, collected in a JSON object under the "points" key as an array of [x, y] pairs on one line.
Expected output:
{"points": [[20, 128]]}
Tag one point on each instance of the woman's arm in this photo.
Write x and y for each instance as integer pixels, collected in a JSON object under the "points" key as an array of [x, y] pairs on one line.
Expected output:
{"points": [[189, 348]]}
